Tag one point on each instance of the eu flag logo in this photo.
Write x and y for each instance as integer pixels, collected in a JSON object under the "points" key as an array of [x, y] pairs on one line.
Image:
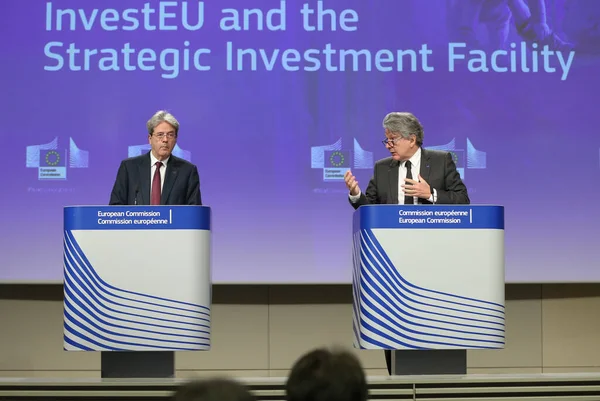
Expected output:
{"points": [[458, 156], [53, 165], [52, 158], [337, 159]]}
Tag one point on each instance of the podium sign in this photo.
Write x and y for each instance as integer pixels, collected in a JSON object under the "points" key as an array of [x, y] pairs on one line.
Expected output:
{"points": [[428, 277], [137, 278]]}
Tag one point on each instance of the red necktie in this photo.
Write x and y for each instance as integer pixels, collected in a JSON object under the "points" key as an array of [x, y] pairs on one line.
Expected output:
{"points": [[155, 197]]}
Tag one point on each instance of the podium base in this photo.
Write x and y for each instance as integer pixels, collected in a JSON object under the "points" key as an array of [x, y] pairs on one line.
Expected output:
{"points": [[429, 362], [137, 364]]}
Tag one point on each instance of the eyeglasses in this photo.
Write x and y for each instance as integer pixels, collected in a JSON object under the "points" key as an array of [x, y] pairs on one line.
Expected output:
{"points": [[161, 135], [391, 142]]}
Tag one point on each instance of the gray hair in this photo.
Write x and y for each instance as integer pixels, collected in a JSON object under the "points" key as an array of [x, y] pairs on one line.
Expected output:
{"points": [[404, 124], [159, 117]]}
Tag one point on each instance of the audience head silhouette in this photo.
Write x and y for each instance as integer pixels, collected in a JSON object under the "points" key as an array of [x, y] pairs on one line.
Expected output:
{"points": [[327, 375], [213, 390]]}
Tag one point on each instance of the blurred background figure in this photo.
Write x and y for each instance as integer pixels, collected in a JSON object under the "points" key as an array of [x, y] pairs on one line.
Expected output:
{"points": [[327, 375], [213, 390], [530, 19]]}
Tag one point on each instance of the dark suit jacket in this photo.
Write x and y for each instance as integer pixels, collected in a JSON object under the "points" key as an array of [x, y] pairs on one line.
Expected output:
{"points": [[132, 185], [437, 168]]}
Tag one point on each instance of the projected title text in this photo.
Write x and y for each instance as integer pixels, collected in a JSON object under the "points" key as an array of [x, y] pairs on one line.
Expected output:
{"points": [[192, 16]]}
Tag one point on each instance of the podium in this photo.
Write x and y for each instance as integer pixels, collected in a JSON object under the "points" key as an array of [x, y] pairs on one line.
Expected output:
{"points": [[428, 284], [137, 285]]}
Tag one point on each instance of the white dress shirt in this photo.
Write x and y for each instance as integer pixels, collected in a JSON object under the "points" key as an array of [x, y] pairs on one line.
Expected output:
{"points": [[163, 169], [415, 169]]}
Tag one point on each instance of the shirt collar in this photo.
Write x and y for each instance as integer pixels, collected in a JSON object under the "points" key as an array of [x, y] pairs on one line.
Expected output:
{"points": [[415, 160], [153, 160]]}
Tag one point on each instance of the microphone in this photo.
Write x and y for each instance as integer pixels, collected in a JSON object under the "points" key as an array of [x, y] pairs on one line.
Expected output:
{"points": [[136, 194]]}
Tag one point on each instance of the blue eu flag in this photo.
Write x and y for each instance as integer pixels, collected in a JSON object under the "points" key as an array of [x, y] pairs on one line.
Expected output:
{"points": [[337, 159], [52, 158]]}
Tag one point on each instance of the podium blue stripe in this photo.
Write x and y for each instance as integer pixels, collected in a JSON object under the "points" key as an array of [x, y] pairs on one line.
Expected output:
{"points": [[377, 256], [403, 299], [383, 296], [87, 284], [450, 217], [137, 218], [72, 245], [85, 322], [384, 258]]}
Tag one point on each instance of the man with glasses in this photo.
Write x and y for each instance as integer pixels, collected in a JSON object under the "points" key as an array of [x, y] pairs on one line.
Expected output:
{"points": [[158, 177], [411, 175]]}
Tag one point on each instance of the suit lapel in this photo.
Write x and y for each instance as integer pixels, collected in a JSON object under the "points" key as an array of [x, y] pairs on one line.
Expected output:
{"points": [[144, 171], [425, 167], [170, 177], [393, 177]]}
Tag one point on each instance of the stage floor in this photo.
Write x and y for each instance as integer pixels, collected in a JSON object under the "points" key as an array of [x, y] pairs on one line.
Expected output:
{"points": [[571, 386]]}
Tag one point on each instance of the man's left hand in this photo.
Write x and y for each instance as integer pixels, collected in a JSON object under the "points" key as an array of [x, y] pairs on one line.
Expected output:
{"points": [[419, 188]]}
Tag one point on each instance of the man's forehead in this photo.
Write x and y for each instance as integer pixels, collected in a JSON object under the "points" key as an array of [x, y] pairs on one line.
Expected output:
{"points": [[164, 125]]}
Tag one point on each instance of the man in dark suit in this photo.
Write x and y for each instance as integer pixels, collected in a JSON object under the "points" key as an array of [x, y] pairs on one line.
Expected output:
{"points": [[411, 175], [157, 177]]}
